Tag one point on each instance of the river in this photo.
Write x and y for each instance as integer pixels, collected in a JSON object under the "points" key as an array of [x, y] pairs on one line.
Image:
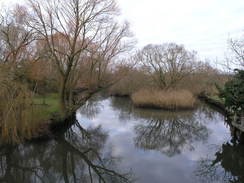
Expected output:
{"points": [[112, 141]]}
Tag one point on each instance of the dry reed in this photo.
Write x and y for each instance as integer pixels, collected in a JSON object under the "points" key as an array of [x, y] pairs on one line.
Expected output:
{"points": [[179, 99], [17, 119]]}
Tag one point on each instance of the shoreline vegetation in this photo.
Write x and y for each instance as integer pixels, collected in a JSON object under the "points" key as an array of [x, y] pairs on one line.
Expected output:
{"points": [[215, 101], [53, 123], [168, 100], [147, 98], [172, 103], [144, 92], [28, 116], [168, 84]]}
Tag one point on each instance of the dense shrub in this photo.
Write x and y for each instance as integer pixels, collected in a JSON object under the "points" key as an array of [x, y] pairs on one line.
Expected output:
{"points": [[233, 93]]}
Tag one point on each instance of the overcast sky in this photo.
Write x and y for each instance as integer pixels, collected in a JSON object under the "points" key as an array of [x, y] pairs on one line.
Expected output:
{"points": [[201, 25]]}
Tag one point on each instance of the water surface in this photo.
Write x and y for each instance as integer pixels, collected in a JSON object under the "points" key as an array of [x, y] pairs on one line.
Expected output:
{"points": [[112, 141], [162, 146]]}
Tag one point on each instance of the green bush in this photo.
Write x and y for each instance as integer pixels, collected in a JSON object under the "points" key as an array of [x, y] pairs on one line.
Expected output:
{"points": [[233, 93]]}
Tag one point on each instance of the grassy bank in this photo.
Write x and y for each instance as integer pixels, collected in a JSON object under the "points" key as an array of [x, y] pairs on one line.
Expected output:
{"points": [[46, 106], [180, 99], [22, 116], [216, 98], [215, 101]]}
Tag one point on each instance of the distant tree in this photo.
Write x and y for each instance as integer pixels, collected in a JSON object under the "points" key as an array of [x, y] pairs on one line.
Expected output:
{"points": [[167, 63], [237, 49], [15, 36]]}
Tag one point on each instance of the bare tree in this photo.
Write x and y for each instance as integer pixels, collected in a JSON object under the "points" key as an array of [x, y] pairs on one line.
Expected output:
{"points": [[75, 31], [15, 36], [237, 49], [167, 63]]}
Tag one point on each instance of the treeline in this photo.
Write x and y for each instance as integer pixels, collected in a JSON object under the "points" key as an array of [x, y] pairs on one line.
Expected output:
{"points": [[168, 76]]}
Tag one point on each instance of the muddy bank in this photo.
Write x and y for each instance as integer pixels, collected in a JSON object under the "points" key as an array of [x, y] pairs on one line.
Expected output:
{"points": [[54, 127]]}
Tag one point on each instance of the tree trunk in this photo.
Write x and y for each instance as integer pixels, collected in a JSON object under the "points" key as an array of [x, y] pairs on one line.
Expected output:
{"points": [[62, 100]]}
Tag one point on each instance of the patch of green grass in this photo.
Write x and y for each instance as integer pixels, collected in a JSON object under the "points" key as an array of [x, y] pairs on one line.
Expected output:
{"points": [[46, 105], [217, 98]]}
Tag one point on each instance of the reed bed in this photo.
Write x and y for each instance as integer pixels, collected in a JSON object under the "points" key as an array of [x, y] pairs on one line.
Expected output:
{"points": [[178, 99]]}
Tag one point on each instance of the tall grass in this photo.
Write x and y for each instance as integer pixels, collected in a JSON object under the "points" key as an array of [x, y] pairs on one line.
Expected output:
{"points": [[179, 99], [16, 113], [19, 118]]}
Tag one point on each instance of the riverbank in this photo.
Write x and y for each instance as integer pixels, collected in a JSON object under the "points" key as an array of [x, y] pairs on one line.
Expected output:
{"points": [[214, 101], [52, 121], [41, 118], [38, 119], [53, 127]]}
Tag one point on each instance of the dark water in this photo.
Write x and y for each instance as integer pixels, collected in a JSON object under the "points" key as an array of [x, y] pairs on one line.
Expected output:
{"points": [[115, 142]]}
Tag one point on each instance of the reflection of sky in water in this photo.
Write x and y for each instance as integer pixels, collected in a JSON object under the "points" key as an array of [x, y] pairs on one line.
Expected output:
{"points": [[151, 165]]}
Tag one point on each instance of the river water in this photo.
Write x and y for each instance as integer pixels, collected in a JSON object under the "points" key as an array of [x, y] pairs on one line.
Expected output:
{"points": [[112, 141]]}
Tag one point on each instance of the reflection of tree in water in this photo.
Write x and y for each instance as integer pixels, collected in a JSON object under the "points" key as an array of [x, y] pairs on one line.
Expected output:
{"points": [[127, 111], [165, 131], [92, 107], [208, 113], [124, 106], [170, 136], [227, 166], [68, 158]]}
